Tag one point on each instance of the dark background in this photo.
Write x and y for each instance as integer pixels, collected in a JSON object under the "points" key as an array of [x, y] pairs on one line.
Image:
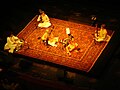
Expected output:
{"points": [[15, 14]]}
